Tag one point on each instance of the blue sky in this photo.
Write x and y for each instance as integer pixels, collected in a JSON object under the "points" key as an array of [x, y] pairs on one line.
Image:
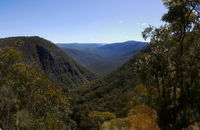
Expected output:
{"points": [[67, 21]]}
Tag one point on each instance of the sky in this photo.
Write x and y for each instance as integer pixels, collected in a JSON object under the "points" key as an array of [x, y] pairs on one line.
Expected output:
{"points": [[79, 21]]}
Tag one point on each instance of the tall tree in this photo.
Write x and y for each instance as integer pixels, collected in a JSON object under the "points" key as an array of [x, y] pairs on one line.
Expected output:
{"points": [[173, 63]]}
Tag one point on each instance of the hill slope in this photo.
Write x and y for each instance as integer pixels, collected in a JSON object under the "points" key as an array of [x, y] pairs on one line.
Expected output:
{"points": [[49, 58], [116, 92], [102, 59], [29, 97]]}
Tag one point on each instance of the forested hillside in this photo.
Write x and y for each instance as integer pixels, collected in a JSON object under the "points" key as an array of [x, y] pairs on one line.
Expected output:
{"points": [[28, 99], [117, 92], [50, 59]]}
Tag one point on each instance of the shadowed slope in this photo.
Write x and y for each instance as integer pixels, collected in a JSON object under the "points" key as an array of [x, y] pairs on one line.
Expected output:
{"points": [[49, 58]]}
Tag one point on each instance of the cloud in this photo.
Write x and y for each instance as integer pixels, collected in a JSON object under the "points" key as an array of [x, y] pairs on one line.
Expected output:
{"points": [[142, 24]]}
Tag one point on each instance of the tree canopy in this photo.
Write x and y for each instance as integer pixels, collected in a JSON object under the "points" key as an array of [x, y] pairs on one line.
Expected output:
{"points": [[28, 99]]}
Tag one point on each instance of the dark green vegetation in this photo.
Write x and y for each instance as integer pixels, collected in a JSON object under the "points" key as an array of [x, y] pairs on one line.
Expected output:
{"points": [[102, 59], [50, 59], [165, 76], [28, 99], [116, 93]]}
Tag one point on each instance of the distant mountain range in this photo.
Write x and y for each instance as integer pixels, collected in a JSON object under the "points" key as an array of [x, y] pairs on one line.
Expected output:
{"points": [[81, 46], [47, 57], [102, 58]]}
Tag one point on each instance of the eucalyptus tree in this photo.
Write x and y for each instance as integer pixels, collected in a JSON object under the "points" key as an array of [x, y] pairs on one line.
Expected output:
{"points": [[171, 63]]}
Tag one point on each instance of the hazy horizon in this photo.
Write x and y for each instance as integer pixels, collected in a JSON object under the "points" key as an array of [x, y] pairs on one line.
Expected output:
{"points": [[103, 43]]}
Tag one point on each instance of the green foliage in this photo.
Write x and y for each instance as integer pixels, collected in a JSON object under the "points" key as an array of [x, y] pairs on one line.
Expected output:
{"points": [[172, 64], [9, 56], [97, 118], [111, 93], [25, 119], [28, 99], [117, 92], [101, 116]]}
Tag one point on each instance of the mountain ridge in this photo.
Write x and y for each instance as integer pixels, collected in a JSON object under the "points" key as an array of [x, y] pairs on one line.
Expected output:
{"points": [[47, 57]]}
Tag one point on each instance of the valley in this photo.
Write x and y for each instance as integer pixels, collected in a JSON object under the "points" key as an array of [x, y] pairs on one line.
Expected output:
{"points": [[102, 58], [131, 85]]}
